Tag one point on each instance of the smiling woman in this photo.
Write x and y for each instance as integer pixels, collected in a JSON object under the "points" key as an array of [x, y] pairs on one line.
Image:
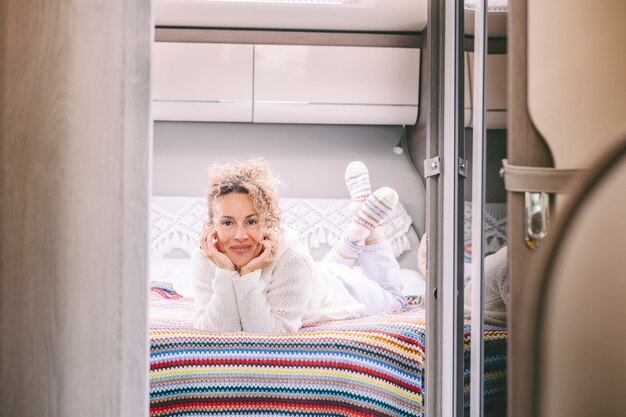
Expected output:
{"points": [[243, 213], [252, 274]]}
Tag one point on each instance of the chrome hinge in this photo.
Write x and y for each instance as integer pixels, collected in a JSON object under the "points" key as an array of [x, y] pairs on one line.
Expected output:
{"points": [[463, 167], [432, 167]]}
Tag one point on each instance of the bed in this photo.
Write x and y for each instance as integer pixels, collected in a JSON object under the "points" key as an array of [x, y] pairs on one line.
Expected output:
{"points": [[372, 366]]}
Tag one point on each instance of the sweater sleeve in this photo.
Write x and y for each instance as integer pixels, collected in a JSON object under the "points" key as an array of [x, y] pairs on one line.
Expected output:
{"points": [[277, 306], [214, 296]]}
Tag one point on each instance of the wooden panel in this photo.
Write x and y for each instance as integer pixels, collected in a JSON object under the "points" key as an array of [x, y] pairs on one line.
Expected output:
{"points": [[74, 116], [285, 37]]}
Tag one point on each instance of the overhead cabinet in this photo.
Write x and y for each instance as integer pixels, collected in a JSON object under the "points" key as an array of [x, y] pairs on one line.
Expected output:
{"points": [[202, 82], [285, 83], [334, 84], [496, 94]]}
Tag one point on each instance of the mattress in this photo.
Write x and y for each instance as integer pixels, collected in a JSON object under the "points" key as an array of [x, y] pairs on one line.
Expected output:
{"points": [[372, 366]]}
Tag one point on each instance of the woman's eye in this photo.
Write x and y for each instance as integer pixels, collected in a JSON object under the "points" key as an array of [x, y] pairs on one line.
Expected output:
{"points": [[227, 223], [252, 222]]}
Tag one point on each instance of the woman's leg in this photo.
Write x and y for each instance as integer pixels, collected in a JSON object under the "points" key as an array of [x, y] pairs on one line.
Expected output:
{"points": [[366, 291], [377, 285], [379, 264]]}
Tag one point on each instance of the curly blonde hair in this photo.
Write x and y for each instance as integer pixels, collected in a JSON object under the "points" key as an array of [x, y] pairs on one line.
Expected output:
{"points": [[254, 178]]}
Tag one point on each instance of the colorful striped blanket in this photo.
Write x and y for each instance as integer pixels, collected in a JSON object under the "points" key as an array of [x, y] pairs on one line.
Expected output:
{"points": [[371, 366]]}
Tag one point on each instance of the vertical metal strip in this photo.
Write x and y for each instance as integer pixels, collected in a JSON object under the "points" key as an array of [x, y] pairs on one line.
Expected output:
{"points": [[459, 273], [451, 266], [478, 200], [434, 122]]}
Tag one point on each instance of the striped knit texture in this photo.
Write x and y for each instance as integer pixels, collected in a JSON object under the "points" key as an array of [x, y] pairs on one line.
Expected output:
{"points": [[494, 370], [372, 213], [372, 366], [358, 183]]}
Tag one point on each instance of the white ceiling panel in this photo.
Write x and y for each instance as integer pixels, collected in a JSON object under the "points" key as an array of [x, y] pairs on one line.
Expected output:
{"points": [[352, 16]]}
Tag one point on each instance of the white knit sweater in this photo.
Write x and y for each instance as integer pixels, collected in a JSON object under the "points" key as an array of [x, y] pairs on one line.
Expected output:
{"points": [[280, 298], [496, 289]]}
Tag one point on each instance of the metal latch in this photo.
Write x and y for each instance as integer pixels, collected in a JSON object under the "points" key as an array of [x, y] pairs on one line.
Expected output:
{"points": [[432, 167], [537, 218], [463, 167]]}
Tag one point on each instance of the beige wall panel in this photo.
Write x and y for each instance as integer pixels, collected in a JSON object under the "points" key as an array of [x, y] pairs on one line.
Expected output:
{"points": [[74, 151], [583, 335], [577, 76]]}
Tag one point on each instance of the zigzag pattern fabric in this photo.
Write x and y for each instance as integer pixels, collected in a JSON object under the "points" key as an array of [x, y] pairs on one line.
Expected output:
{"points": [[362, 367], [373, 366], [494, 383]]}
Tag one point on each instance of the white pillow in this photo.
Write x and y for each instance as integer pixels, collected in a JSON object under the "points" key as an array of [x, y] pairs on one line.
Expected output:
{"points": [[174, 271], [413, 283]]}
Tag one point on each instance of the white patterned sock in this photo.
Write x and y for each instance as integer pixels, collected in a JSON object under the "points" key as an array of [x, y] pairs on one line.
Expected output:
{"points": [[372, 213], [377, 234], [358, 182]]}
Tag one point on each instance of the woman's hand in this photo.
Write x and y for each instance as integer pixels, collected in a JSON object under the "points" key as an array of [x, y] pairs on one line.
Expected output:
{"points": [[208, 244], [270, 247]]}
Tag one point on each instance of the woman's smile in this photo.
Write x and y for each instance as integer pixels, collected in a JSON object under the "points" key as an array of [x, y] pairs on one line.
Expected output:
{"points": [[241, 249]]}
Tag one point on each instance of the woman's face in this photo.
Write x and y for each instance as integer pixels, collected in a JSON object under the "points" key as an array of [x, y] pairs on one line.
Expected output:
{"points": [[239, 228]]}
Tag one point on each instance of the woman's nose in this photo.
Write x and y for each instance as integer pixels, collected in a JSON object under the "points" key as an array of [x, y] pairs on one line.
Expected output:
{"points": [[240, 233]]}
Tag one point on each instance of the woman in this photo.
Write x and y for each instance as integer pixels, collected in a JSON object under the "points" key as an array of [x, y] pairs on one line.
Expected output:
{"points": [[252, 274]]}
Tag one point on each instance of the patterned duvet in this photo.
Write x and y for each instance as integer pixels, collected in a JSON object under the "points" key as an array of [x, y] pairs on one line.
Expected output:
{"points": [[366, 367]]}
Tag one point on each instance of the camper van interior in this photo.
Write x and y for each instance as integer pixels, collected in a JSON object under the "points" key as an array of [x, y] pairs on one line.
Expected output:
{"points": [[309, 87], [501, 125]]}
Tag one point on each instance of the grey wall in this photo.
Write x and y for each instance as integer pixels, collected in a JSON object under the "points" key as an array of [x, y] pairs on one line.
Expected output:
{"points": [[310, 159]]}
